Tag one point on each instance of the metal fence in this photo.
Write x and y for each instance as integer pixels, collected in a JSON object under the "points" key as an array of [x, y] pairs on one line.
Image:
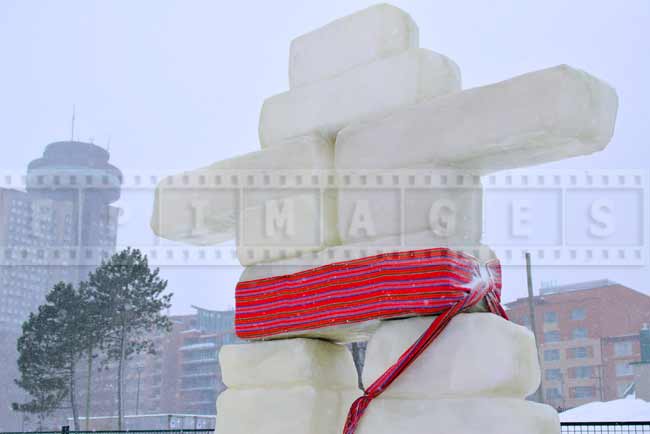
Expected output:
{"points": [[606, 427], [567, 428], [64, 430]]}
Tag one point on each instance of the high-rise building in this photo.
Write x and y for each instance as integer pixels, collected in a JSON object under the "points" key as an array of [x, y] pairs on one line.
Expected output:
{"points": [[51, 232], [588, 338], [79, 175]]}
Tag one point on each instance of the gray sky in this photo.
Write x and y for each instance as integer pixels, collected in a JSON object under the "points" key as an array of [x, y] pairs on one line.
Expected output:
{"points": [[179, 84]]}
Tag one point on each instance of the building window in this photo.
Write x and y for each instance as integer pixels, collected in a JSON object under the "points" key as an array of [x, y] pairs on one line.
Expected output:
{"points": [[581, 372], [578, 314], [553, 374], [551, 355], [552, 336], [550, 317], [579, 333], [624, 369], [553, 393], [579, 352], [581, 392], [525, 321], [622, 349]]}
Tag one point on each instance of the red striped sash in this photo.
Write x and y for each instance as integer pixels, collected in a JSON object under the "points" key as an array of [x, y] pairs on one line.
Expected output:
{"points": [[437, 281]]}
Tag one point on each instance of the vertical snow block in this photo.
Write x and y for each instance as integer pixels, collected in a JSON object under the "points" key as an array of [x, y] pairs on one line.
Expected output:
{"points": [[374, 89], [371, 34], [290, 226], [534, 118], [478, 354], [294, 386]]}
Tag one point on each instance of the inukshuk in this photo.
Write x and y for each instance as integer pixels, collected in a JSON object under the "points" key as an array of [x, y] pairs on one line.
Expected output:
{"points": [[336, 250]]}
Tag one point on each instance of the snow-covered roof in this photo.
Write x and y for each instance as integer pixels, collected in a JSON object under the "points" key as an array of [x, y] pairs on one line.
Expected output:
{"points": [[620, 410]]}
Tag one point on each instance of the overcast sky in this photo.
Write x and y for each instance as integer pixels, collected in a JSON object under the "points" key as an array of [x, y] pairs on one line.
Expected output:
{"points": [[176, 85]]}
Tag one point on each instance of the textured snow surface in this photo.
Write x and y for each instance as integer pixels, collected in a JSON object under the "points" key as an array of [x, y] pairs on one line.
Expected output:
{"points": [[204, 206], [291, 410], [478, 354], [531, 119], [459, 416], [620, 410], [360, 249], [365, 36], [287, 227], [288, 363], [449, 214], [369, 90]]}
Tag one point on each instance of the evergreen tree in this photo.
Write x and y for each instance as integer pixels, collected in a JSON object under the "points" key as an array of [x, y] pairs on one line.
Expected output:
{"points": [[49, 351], [95, 329], [130, 300], [43, 382]]}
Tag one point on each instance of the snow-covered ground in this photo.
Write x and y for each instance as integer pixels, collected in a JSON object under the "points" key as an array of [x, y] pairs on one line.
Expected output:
{"points": [[620, 410]]}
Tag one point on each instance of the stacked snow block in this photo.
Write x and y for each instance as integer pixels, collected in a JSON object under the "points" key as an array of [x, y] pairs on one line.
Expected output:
{"points": [[480, 368], [363, 66], [365, 102], [461, 416], [286, 386], [368, 115]]}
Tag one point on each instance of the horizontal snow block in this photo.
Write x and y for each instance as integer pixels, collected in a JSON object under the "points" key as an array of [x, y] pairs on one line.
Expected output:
{"points": [[374, 33], [478, 354], [459, 416], [294, 410], [369, 90], [286, 363], [360, 249], [451, 214], [205, 206], [531, 119]]}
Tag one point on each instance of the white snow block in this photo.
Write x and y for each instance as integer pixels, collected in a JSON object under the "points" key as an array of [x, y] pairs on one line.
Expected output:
{"points": [[452, 211], [535, 118], [293, 410], [369, 90], [287, 363], [478, 354], [459, 416], [374, 33], [360, 249], [287, 227], [204, 206]]}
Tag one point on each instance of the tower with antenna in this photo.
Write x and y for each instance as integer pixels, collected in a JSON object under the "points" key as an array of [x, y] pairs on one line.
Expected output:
{"points": [[80, 175], [72, 124]]}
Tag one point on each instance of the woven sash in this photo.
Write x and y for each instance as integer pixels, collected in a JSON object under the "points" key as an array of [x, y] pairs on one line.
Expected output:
{"points": [[437, 281]]}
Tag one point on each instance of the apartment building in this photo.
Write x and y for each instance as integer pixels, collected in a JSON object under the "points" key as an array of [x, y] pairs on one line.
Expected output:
{"points": [[588, 338]]}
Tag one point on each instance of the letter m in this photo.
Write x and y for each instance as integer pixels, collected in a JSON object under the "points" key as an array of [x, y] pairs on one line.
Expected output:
{"points": [[279, 215]]}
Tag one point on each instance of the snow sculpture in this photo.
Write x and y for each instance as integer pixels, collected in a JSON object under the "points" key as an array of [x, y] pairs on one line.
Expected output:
{"points": [[330, 264]]}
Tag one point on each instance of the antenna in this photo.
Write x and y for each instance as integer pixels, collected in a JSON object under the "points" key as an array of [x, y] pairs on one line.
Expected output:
{"points": [[108, 143], [72, 124]]}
